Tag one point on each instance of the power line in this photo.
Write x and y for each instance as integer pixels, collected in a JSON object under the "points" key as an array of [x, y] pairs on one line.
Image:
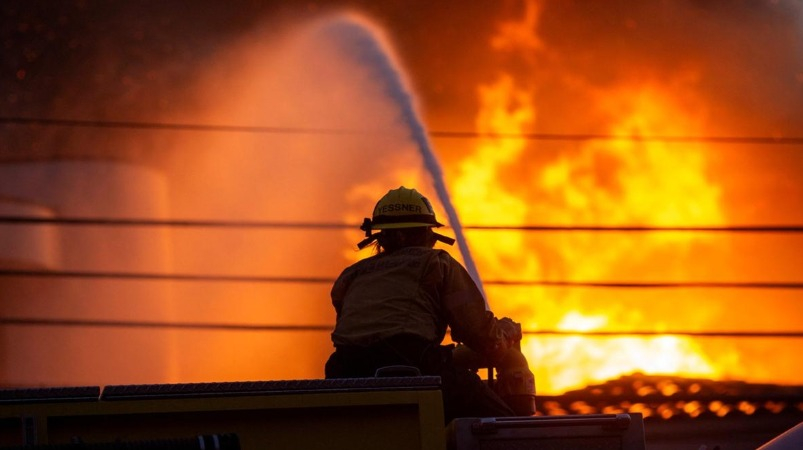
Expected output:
{"points": [[163, 276], [650, 285], [14, 321], [573, 137], [185, 223], [118, 124], [167, 325], [329, 280], [200, 223], [642, 333], [644, 228]]}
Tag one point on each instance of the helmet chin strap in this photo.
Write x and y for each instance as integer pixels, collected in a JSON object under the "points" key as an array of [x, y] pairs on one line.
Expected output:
{"points": [[366, 242], [445, 239], [367, 226]]}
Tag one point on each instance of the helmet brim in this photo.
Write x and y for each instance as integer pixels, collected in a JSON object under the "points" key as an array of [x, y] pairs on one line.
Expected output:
{"points": [[391, 226]]}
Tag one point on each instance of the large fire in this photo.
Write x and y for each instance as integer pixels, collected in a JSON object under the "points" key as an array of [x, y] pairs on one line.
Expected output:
{"points": [[304, 136], [614, 182]]}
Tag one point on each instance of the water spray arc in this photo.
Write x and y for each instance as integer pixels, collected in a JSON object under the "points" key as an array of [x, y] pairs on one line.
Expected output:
{"points": [[367, 49]]}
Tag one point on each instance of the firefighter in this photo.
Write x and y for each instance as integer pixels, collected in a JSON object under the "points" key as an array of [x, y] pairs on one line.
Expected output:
{"points": [[393, 309]]}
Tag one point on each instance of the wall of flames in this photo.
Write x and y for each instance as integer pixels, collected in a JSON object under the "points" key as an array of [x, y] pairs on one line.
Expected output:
{"points": [[615, 182], [518, 182]]}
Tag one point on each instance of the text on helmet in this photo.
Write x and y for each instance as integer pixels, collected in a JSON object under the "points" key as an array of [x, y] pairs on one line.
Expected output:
{"points": [[397, 207]]}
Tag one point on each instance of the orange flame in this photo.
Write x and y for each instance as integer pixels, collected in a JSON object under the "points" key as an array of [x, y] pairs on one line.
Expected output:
{"points": [[627, 181]]}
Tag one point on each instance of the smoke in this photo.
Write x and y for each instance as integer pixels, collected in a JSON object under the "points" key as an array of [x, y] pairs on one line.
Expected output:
{"points": [[355, 143], [333, 138], [743, 56]]}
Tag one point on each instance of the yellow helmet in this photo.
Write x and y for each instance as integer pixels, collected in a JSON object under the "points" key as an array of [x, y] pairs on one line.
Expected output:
{"points": [[401, 208]]}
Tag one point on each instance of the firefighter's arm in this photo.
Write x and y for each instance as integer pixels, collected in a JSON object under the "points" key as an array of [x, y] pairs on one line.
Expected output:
{"points": [[487, 335], [471, 323]]}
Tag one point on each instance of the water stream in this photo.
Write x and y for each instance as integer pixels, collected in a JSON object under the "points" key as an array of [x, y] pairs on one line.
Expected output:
{"points": [[369, 50]]}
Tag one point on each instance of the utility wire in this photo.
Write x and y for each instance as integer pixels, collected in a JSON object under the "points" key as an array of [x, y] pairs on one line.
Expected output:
{"points": [[701, 334], [644, 228], [651, 285], [328, 280], [190, 223], [149, 324], [163, 276], [185, 223], [16, 321], [573, 137], [118, 124], [772, 140]]}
